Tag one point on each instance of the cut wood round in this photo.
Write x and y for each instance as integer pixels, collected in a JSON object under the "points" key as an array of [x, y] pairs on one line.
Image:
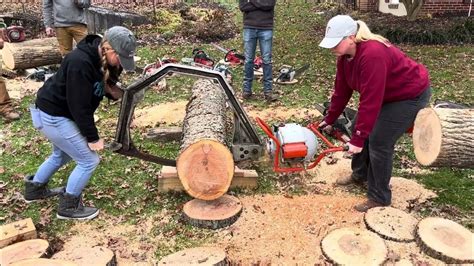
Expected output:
{"points": [[29, 249], [354, 246], [212, 214], [88, 256], [391, 223], [205, 164], [445, 240], [444, 137], [43, 262], [31, 53], [196, 256]]}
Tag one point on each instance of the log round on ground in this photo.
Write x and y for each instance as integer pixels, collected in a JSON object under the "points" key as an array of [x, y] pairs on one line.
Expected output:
{"points": [[213, 214], [205, 164], [32, 53], [28, 249], [445, 240], [354, 246], [43, 262], [88, 256], [196, 256], [444, 137], [392, 224]]}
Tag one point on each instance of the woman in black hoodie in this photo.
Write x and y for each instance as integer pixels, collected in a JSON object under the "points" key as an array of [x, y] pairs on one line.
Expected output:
{"points": [[64, 113]]}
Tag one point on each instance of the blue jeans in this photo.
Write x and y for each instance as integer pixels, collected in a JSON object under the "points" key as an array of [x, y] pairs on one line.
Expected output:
{"points": [[264, 38], [68, 143]]}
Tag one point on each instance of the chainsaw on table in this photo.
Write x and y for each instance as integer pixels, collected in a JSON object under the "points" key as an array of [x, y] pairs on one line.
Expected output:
{"points": [[231, 55], [296, 146], [288, 74]]}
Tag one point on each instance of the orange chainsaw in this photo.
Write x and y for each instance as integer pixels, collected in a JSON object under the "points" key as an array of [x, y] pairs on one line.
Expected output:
{"points": [[297, 146]]}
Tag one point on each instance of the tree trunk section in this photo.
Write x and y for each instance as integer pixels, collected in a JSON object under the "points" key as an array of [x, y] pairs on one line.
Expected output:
{"points": [[29, 249], [445, 240], [88, 256], [205, 164], [444, 137], [32, 53], [43, 262], [354, 246], [390, 223], [196, 256], [213, 214]]}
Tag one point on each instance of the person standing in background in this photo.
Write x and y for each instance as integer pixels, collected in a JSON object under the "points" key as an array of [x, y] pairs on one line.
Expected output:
{"points": [[6, 109], [68, 19]]}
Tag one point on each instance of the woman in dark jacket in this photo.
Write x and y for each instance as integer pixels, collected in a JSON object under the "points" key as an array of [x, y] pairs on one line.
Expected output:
{"points": [[64, 113]]}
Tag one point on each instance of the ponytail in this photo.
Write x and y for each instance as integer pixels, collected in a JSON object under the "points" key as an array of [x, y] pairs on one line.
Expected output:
{"points": [[364, 34], [104, 64]]}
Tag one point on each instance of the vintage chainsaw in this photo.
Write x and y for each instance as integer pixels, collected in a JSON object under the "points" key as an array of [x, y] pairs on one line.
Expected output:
{"points": [[231, 55], [289, 73], [12, 33], [296, 146]]}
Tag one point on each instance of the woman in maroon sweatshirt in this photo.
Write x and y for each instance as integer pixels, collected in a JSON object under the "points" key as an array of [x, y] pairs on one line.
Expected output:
{"points": [[392, 89]]}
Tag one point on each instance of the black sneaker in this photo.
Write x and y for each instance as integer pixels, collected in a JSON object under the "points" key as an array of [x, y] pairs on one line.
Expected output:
{"points": [[71, 208], [270, 97], [247, 95], [37, 191]]}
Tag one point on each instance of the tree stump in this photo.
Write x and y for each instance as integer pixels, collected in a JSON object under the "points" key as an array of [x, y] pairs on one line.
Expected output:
{"points": [[196, 256], [29, 249], [392, 224], [354, 246], [31, 53], [88, 256], [43, 262], [100, 19], [445, 240], [444, 137], [205, 164], [213, 214]]}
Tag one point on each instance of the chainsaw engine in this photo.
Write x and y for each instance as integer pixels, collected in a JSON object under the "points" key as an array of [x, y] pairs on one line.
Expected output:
{"points": [[13, 34], [298, 144]]}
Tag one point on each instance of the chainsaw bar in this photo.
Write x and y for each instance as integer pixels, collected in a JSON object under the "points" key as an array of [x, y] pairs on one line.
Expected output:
{"points": [[300, 70]]}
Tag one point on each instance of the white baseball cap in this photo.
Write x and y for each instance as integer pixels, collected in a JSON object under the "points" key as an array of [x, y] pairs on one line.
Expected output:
{"points": [[338, 27]]}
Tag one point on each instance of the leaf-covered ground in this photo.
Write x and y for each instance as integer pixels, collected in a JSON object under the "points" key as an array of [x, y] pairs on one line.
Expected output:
{"points": [[125, 189]]}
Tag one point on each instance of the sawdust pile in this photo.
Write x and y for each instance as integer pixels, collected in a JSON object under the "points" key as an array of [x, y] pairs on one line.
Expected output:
{"points": [[406, 193]]}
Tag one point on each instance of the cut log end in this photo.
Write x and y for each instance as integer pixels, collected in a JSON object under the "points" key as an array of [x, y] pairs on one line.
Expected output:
{"points": [[427, 136], [353, 246], [29, 249], [206, 169], [88, 256], [390, 223], [445, 240], [196, 256], [214, 214]]}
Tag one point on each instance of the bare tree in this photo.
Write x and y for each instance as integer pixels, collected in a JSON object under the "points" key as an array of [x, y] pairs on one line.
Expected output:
{"points": [[413, 7]]}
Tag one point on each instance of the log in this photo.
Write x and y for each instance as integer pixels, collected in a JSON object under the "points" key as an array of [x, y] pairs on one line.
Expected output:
{"points": [[29, 249], [17, 231], [444, 137], [88, 256], [213, 214], [354, 246], [445, 240], [196, 256], [205, 164], [43, 262], [31, 53], [390, 223], [164, 134]]}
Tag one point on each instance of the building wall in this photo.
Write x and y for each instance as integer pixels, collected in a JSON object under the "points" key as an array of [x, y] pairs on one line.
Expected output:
{"points": [[392, 7], [430, 6]]}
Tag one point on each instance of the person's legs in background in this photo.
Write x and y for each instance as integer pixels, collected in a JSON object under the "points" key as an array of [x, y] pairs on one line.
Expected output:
{"points": [[78, 32], [265, 39], [6, 109], [250, 45], [65, 38]]}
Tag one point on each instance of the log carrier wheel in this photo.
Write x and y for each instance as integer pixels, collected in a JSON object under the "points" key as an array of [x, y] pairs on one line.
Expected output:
{"points": [[354, 246], [29, 249], [196, 256], [88, 256], [392, 224], [445, 240], [444, 137], [214, 214], [43, 262]]}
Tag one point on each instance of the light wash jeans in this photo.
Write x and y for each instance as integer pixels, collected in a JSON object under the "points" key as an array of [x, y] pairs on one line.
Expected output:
{"points": [[68, 143], [264, 38]]}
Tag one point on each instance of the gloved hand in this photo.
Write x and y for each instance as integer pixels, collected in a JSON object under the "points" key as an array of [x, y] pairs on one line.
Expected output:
{"points": [[323, 126]]}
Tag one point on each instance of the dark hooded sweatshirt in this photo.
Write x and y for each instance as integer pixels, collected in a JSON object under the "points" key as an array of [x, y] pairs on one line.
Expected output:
{"points": [[258, 14], [76, 90]]}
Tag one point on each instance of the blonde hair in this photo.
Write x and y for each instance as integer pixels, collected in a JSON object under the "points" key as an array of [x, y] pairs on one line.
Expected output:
{"points": [[104, 64], [364, 34]]}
